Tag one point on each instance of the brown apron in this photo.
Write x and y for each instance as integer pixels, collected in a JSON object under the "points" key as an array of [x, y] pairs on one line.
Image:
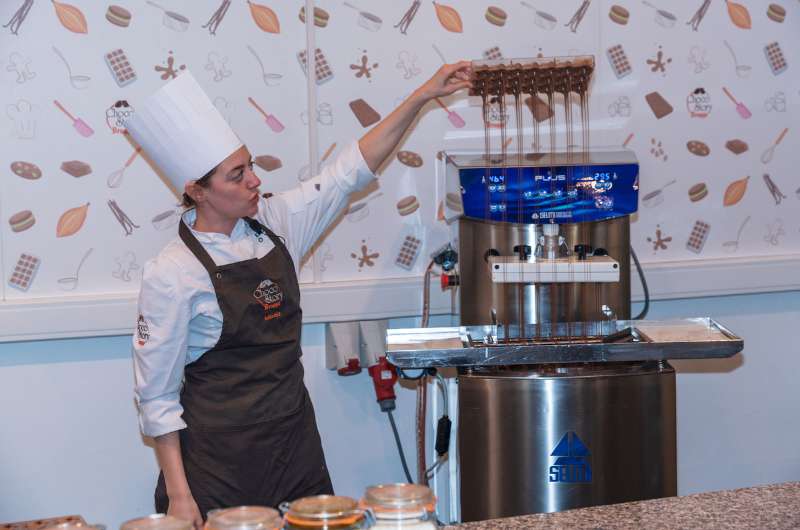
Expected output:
{"points": [[251, 436]]}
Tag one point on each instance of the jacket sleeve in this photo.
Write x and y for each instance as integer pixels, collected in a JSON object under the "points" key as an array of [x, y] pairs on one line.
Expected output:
{"points": [[302, 214], [160, 347]]}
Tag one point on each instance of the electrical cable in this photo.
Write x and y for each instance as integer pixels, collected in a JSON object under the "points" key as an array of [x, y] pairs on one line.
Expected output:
{"points": [[426, 295], [399, 447], [403, 375], [646, 307], [443, 388], [421, 414], [431, 471]]}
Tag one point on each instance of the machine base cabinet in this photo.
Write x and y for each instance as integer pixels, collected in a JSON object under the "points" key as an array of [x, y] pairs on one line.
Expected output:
{"points": [[555, 437]]}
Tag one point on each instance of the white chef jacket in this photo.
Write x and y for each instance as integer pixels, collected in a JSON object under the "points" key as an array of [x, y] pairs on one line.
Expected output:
{"points": [[179, 317]]}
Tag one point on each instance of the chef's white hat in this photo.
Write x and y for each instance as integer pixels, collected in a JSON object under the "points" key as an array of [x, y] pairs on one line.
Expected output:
{"points": [[181, 131]]}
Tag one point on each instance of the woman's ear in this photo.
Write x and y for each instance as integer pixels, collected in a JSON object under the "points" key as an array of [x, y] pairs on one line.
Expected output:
{"points": [[195, 191]]}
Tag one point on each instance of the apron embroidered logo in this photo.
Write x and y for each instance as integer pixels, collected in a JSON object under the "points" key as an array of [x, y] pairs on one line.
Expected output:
{"points": [[270, 296], [142, 331]]}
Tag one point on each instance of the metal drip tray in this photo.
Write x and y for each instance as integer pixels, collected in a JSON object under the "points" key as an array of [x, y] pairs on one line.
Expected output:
{"points": [[574, 342]]}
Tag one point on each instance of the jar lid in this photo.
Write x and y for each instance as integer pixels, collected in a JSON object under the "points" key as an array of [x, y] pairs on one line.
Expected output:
{"points": [[400, 497], [157, 521], [330, 508], [244, 518], [71, 525]]}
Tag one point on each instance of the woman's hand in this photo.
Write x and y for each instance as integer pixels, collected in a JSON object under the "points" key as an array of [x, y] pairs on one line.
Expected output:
{"points": [[184, 507], [448, 79], [379, 142]]}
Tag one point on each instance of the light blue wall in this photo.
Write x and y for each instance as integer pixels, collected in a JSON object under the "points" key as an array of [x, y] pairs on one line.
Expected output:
{"points": [[69, 441]]}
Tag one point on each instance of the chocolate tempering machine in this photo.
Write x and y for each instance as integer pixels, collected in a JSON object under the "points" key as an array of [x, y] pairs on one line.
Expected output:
{"points": [[564, 401]]}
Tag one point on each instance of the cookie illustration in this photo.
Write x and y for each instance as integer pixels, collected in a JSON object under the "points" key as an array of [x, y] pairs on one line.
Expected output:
{"points": [[409, 158], [26, 170], [698, 148], [736, 146], [365, 114], [268, 163]]}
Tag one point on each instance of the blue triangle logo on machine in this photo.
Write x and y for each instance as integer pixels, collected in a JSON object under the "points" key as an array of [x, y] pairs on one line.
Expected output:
{"points": [[572, 460], [570, 445]]}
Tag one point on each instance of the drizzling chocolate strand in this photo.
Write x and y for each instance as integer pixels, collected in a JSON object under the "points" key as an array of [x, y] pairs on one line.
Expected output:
{"points": [[538, 84]]}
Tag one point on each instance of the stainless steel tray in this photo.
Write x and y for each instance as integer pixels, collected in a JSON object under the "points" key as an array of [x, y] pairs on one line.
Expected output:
{"points": [[576, 342]]}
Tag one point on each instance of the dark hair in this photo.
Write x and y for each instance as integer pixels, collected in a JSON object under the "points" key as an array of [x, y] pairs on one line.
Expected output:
{"points": [[203, 182]]}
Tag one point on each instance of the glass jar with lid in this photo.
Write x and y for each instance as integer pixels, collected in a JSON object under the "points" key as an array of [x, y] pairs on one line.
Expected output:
{"points": [[74, 525], [157, 521], [396, 506], [244, 518], [325, 512]]}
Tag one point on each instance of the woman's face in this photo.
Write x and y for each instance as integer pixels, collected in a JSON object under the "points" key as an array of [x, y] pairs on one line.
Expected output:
{"points": [[232, 190]]}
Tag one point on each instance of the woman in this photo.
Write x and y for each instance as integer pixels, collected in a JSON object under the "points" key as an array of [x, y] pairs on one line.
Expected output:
{"points": [[219, 383]]}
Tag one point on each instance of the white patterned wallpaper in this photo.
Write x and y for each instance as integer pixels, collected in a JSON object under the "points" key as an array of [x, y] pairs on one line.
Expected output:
{"points": [[702, 91]]}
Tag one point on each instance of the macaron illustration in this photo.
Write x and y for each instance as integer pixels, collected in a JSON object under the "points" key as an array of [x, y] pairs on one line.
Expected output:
{"points": [[619, 14], [118, 15], [321, 16], [698, 192], [496, 16], [776, 12], [407, 205], [453, 202], [21, 221]]}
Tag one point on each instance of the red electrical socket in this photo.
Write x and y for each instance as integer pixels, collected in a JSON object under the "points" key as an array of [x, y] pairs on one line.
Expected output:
{"points": [[449, 281], [384, 376], [353, 367]]}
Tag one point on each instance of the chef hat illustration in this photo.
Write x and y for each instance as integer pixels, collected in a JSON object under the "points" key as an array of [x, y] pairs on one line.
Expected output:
{"points": [[181, 131]]}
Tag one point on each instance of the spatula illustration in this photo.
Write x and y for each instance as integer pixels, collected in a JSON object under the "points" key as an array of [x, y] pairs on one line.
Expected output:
{"points": [[271, 120], [743, 111], [81, 126], [457, 121]]}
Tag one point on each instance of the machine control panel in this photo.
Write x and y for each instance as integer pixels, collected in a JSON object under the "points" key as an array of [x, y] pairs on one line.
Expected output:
{"points": [[544, 188]]}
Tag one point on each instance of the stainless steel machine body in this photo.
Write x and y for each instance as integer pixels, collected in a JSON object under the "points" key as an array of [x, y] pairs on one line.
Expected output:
{"points": [[549, 437], [512, 418], [618, 420], [539, 302], [563, 401]]}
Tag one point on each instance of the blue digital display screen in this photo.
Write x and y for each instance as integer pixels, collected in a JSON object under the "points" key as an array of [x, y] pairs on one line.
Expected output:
{"points": [[561, 194]]}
